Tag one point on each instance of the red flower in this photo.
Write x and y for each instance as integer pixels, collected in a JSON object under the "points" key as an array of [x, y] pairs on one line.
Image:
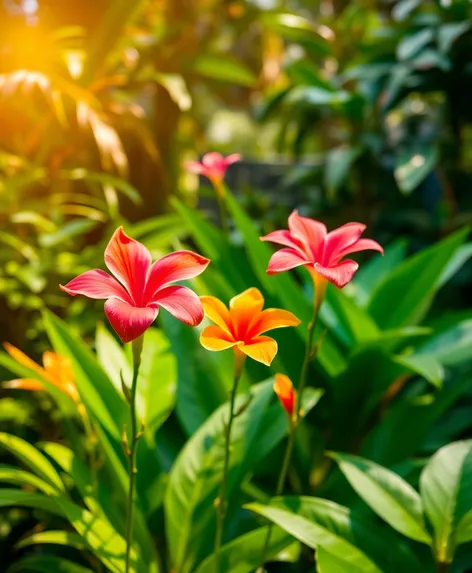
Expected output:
{"points": [[309, 244], [283, 387], [213, 166], [133, 300]]}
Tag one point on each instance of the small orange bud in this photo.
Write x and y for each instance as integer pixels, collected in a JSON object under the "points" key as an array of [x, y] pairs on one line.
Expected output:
{"points": [[283, 387]]}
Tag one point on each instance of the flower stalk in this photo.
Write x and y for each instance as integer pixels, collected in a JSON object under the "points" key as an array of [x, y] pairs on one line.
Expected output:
{"points": [[221, 502], [137, 346]]}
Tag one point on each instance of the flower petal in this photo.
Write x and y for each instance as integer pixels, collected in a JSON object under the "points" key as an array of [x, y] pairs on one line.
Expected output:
{"points": [[233, 158], [178, 266], [217, 312], [182, 303], [285, 260], [339, 239], [128, 321], [244, 310], [283, 387], [22, 359], [24, 384], [194, 167], [215, 338], [96, 284], [262, 348], [312, 233], [273, 318], [339, 274], [129, 261], [285, 238], [361, 245]]}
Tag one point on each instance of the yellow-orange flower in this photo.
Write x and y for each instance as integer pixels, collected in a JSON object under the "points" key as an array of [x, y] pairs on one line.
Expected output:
{"points": [[241, 325], [283, 387], [56, 369]]}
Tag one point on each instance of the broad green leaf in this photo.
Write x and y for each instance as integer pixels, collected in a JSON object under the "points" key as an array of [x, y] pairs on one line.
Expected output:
{"points": [[96, 390], [426, 365], [112, 357], [10, 474], [328, 563], [46, 564], [243, 554], [416, 281], [451, 347], [55, 538], [102, 540], [449, 33], [461, 256], [195, 477], [224, 68], [338, 163], [32, 458], [315, 96], [410, 45], [386, 493], [413, 166], [446, 490]]}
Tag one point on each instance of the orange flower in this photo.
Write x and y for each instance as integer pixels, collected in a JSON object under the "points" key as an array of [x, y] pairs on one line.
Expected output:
{"points": [[241, 326], [283, 387], [57, 370]]}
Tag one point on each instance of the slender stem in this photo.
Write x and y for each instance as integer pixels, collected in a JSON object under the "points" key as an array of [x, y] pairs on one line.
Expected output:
{"points": [[220, 190], [222, 503], [305, 365], [137, 347]]}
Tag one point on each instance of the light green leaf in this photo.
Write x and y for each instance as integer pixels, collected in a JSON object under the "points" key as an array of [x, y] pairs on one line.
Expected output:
{"points": [[54, 537], [449, 33], [386, 493], [33, 459], [243, 554], [410, 45], [413, 166], [426, 365], [10, 474], [446, 490], [328, 563], [224, 68]]}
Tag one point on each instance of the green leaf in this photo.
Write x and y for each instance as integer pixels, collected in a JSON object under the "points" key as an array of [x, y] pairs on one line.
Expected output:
{"points": [[318, 522], [10, 474], [417, 281], [54, 537], [413, 166], [328, 563], [410, 45], [426, 365], [46, 564], [449, 33], [452, 346], [338, 163], [243, 554], [463, 533], [386, 493], [446, 490], [68, 231], [196, 474], [315, 96], [33, 459], [96, 390], [224, 68]]}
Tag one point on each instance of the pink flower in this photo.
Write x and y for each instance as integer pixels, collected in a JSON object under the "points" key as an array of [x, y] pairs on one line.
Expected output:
{"points": [[213, 166], [309, 244], [139, 287]]}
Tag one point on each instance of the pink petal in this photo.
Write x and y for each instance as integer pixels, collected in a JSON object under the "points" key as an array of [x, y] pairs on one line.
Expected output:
{"points": [[310, 232], [233, 158], [284, 260], [129, 261], [213, 160], [194, 167], [96, 284], [339, 274], [178, 266], [284, 238], [129, 321], [182, 303], [340, 239], [361, 245]]}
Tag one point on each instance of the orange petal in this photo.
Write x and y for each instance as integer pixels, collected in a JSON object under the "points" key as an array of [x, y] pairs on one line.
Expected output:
{"points": [[283, 387], [215, 338], [59, 372], [262, 348], [22, 359], [24, 384], [245, 309], [217, 312], [273, 318]]}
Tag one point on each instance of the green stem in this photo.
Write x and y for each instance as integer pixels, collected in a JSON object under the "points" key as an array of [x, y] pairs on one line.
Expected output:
{"points": [[305, 366], [137, 347], [220, 191], [239, 359]]}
